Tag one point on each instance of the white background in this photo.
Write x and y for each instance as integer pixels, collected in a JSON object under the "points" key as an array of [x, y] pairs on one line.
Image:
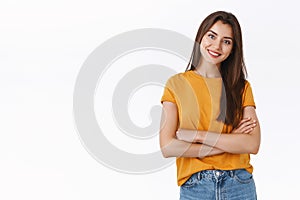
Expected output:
{"points": [[43, 45]]}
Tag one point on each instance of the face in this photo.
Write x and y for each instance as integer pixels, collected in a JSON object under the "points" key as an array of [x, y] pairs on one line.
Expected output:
{"points": [[217, 43]]}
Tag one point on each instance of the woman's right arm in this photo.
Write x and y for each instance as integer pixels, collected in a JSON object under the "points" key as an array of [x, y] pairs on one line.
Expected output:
{"points": [[170, 145]]}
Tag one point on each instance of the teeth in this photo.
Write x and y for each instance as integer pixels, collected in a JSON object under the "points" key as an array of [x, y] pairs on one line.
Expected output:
{"points": [[213, 53]]}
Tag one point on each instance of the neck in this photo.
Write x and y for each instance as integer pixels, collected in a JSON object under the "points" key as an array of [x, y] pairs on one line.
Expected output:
{"points": [[208, 70]]}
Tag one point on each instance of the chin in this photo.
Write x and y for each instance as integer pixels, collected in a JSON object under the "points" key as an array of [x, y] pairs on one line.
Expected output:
{"points": [[215, 62]]}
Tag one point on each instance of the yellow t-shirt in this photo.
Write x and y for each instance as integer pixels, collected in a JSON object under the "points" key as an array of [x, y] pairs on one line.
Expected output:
{"points": [[198, 103]]}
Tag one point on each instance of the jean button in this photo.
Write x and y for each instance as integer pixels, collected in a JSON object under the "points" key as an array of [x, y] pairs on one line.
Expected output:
{"points": [[217, 173]]}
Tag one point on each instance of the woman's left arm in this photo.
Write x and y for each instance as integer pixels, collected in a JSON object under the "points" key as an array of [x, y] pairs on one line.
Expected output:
{"points": [[236, 143]]}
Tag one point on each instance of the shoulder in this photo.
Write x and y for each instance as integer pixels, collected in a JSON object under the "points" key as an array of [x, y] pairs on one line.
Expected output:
{"points": [[181, 76], [178, 82], [247, 85], [247, 82]]}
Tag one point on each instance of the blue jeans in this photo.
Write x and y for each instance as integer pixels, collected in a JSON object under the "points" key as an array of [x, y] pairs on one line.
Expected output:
{"points": [[219, 185]]}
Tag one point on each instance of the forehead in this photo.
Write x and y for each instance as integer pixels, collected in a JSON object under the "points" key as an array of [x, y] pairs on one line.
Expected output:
{"points": [[223, 30]]}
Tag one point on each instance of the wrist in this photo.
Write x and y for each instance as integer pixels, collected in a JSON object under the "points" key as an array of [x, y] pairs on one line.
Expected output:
{"points": [[200, 136]]}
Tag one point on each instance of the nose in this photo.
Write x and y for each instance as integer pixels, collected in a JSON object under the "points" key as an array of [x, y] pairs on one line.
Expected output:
{"points": [[217, 44]]}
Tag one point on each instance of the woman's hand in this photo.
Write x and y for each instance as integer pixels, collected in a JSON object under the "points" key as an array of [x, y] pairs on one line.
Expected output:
{"points": [[187, 135], [245, 126]]}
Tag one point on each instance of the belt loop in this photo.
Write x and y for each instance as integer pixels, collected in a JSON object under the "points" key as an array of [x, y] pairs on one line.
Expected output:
{"points": [[231, 173], [199, 176]]}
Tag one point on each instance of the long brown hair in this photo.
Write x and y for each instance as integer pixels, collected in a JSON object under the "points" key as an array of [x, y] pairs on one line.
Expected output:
{"points": [[233, 69]]}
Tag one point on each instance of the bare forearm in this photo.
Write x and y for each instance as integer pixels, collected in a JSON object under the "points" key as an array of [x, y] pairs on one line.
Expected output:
{"points": [[179, 148], [206, 150], [235, 143]]}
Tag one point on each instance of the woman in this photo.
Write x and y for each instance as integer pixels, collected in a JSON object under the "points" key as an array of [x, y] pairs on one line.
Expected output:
{"points": [[209, 121]]}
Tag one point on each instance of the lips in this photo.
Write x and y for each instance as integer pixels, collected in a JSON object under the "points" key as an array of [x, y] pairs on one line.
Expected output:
{"points": [[213, 53]]}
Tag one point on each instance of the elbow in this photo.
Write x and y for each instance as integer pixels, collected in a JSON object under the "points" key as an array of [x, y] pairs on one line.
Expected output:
{"points": [[166, 148], [255, 144], [254, 149], [254, 152], [165, 153]]}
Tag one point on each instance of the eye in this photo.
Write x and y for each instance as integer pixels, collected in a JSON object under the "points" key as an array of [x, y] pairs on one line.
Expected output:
{"points": [[228, 42], [211, 36]]}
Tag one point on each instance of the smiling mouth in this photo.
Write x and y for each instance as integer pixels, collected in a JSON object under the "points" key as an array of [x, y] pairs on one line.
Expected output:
{"points": [[213, 54]]}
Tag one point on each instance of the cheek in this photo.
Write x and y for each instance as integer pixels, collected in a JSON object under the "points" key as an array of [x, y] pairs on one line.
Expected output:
{"points": [[204, 43], [227, 50]]}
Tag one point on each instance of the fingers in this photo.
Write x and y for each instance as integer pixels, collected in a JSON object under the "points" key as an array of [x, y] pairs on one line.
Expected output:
{"points": [[247, 131], [246, 126], [244, 120], [188, 136], [178, 135]]}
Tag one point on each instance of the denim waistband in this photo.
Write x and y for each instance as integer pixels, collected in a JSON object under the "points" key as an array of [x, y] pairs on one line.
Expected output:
{"points": [[216, 174]]}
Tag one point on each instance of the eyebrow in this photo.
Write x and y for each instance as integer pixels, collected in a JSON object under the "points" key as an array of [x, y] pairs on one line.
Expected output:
{"points": [[217, 34]]}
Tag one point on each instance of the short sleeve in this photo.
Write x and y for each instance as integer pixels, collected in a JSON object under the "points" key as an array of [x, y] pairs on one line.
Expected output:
{"points": [[168, 94], [248, 99]]}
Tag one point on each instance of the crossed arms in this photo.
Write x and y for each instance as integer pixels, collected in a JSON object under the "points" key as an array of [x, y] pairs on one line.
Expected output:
{"points": [[194, 143]]}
